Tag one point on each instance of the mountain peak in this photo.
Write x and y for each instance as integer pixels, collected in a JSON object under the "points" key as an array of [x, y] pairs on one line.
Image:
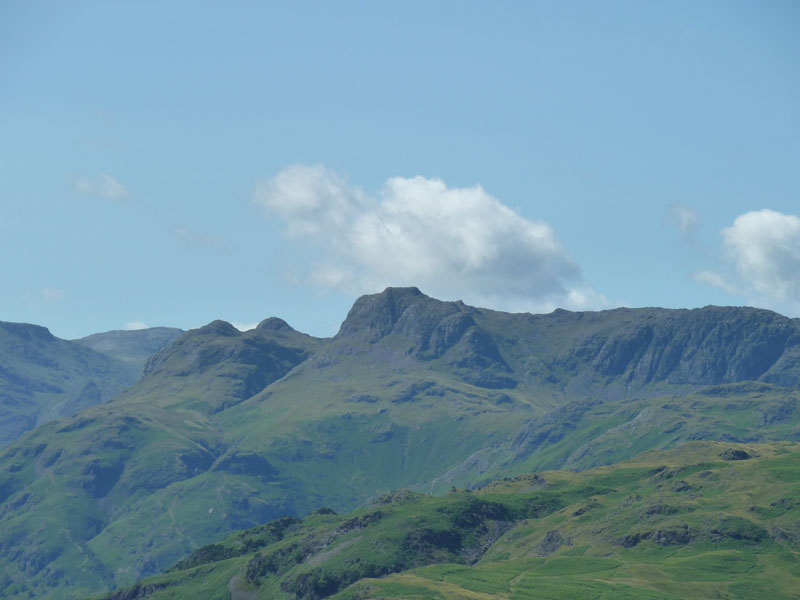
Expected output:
{"points": [[220, 327], [409, 290], [274, 324], [373, 316], [28, 331]]}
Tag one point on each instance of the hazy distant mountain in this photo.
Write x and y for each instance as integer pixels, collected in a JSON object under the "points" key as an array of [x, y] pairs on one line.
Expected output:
{"points": [[131, 347], [230, 429], [43, 377]]}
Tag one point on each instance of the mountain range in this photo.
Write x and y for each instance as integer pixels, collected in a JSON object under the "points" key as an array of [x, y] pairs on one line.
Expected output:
{"points": [[229, 430], [43, 377]]}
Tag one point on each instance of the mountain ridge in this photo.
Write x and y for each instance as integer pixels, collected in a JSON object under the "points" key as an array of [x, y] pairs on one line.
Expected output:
{"points": [[43, 377], [230, 429], [655, 349], [131, 346]]}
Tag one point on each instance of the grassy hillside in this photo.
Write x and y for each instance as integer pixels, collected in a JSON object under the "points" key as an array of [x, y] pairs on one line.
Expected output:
{"points": [[228, 430], [43, 377], [706, 520]]}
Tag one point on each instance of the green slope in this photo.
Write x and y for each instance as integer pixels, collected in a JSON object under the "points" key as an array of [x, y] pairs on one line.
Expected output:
{"points": [[43, 377], [706, 520], [228, 430]]}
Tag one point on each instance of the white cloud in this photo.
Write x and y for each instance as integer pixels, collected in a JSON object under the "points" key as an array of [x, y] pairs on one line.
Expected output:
{"points": [[764, 247], [53, 295], [136, 325], [102, 186], [244, 326], [684, 218], [715, 280], [451, 242]]}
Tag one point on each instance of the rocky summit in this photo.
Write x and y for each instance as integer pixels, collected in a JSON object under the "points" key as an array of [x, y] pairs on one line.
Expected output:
{"points": [[228, 430]]}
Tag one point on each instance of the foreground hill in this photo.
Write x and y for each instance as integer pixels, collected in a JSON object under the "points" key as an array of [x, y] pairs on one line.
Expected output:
{"points": [[706, 520], [43, 377], [229, 429]]}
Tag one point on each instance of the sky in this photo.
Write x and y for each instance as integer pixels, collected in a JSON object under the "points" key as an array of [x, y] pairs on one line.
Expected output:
{"points": [[171, 163]]}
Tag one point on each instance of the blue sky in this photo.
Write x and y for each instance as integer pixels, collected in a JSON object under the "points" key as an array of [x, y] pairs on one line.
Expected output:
{"points": [[169, 163]]}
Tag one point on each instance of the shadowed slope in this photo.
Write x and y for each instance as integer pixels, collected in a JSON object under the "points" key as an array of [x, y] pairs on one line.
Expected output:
{"points": [[43, 377], [229, 429]]}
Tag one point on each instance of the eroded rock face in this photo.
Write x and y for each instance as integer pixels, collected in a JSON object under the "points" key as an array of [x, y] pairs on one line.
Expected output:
{"points": [[373, 317], [137, 592], [705, 346], [735, 454], [420, 353], [552, 541], [432, 330], [627, 348]]}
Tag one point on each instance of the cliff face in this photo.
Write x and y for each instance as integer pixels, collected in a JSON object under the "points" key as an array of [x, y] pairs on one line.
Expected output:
{"points": [[631, 348], [229, 429], [706, 346]]}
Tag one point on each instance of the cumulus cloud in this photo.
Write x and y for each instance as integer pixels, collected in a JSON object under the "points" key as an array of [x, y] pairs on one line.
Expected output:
{"points": [[102, 186], [136, 325], [451, 242], [764, 247], [244, 326]]}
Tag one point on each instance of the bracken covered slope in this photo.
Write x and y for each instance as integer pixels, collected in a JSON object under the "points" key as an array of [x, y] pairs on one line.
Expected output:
{"points": [[708, 520]]}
